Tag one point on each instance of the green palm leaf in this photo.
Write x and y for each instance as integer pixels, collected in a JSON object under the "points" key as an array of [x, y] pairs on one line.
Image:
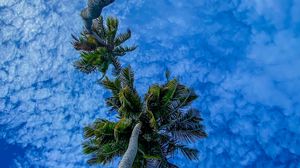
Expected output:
{"points": [[127, 77], [112, 27], [121, 51], [117, 66], [121, 38], [121, 127], [114, 103], [90, 61], [189, 153], [130, 103], [113, 86], [186, 126], [99, 28], [169, 91], [107, 152]]}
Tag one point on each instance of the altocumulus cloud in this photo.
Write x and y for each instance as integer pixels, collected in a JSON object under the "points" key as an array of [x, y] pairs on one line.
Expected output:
{"points": [[240, 56]]}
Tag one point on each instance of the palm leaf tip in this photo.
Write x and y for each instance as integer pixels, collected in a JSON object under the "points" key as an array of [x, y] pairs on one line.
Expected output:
{"points": [[89, 148], [121, 38], [88, 132], [83, 66], [167, 74], [117, 65], [99, 27], [189, 153], [74, 37], [92, 161], [114, 86], [186, 126], [112, 23], [130, 102]]}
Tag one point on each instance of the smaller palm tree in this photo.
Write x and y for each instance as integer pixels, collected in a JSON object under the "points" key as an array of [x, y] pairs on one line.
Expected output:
{"points": [[101, 46], [163, 120]]}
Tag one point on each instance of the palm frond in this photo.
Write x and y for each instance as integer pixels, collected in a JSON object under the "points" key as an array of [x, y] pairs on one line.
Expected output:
{"points": [[90, 61], [114, 103], [130, 103], [169, 90], [112, 23], [190, 153], [112, 27], [113, 86], [121, 126], [84, 66], [89, 131], [173, 107], [153, 101], [167, 75], [89, 147], [100, 142], [172, 145], [121, 38], [148, 118], [154, 91], [99, 28], [185, 95], [127, 77], [188, 135], [101, 41], [107, 152], [160, 163], [121, 51], [117, 65], [186, 127], [99, 127], [82, 44]]}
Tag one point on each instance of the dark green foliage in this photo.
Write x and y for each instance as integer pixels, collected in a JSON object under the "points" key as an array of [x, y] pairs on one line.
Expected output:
{"points": [[94, 60], [101, 46], [127, 78], [168, 122], [125, 98], [106, 140]]}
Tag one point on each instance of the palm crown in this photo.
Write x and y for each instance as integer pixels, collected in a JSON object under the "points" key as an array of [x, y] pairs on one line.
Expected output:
{"points": [[168, 122], [101, 46]]}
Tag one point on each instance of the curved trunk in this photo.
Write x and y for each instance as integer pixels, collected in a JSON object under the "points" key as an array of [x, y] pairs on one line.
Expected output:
{"points": [[129, 156], [93, 11]]}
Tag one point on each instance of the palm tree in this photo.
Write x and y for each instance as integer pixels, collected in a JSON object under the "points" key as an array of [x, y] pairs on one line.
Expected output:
{"points": [[101, 46], [151, 130]]}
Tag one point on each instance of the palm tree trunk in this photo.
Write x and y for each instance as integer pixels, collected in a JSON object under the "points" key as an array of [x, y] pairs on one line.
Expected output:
{"points": [[129, 156], [93, 11]]}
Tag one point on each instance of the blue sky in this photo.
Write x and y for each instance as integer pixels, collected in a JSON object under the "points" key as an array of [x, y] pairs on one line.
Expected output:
{"points": [[241, 57]]}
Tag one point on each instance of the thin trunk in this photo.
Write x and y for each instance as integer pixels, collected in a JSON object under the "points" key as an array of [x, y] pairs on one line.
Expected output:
{"points": [[93, 11], [129, 156]]}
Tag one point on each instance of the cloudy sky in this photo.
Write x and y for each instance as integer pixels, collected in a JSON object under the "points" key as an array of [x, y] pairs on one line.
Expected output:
{"points": [[241, 56]]}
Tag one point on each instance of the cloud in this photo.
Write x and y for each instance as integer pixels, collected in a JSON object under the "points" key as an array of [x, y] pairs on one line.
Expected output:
{"points": [[239, 56]]}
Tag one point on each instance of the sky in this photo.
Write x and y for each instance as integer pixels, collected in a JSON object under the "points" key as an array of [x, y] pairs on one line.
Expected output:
{"points": [[240, 56]]}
